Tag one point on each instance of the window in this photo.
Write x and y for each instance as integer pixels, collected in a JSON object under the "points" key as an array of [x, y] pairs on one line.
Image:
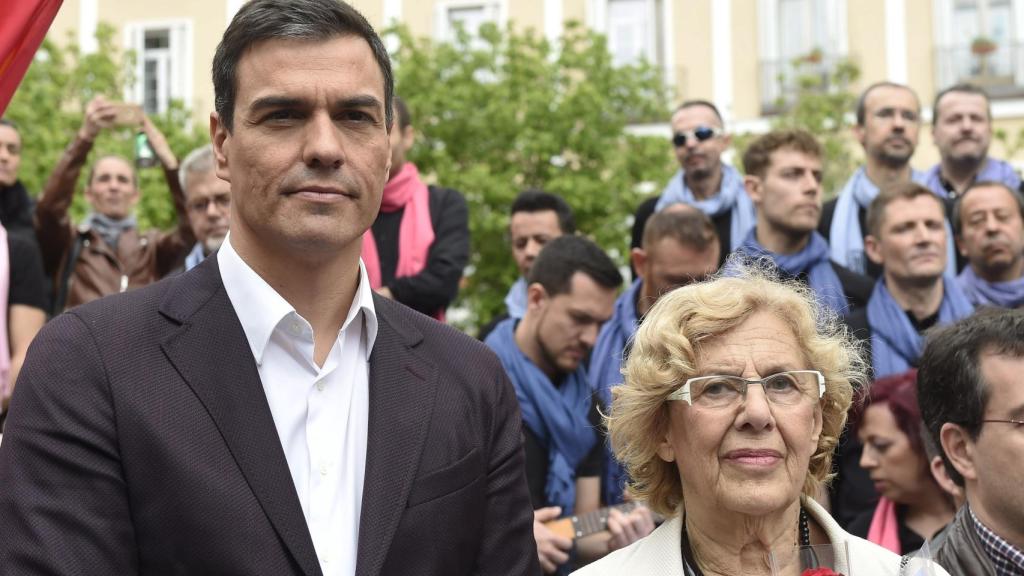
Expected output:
{"points": [[978, 41], [163, 52], [799, 38], [633, 31], [470, 15]]}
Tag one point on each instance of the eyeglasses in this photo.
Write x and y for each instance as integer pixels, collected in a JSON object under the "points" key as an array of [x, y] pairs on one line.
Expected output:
{"points": [[700, 133], [1018, 424], [784, 389], [222, 201]]}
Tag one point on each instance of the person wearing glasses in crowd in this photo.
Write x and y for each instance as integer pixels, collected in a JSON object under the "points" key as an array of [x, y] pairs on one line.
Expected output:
{"points": [[735, 393], [972, 402], [912, 506], [699, 139], [989, 223], [208, 202], [888, 124]]}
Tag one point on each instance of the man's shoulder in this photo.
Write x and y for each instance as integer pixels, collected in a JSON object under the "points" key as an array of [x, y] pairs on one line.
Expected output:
{"points": [[828, 210], [440, 343], [857, 287]]}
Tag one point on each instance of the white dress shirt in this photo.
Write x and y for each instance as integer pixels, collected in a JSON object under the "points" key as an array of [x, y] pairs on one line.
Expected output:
{"points": [[320, 412]]}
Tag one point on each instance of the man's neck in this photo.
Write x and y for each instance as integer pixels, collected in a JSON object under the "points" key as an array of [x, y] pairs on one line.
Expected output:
{"points": [[779, 241], [882, 174], [1008, 274], [921, 299], [704, 188], [960, 175], [320, 286], [529, 345], [1005, 530]]}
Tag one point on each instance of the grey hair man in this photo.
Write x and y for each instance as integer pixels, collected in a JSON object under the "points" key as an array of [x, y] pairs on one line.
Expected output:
{"points": [[207, 201]]}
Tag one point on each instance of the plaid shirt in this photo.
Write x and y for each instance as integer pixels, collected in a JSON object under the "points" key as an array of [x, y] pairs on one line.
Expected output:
{"points": [[1008, 560]]}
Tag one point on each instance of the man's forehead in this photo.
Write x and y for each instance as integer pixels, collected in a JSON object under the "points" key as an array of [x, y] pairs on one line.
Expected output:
{"points": [[9, 134], [891, 97], [113, 164], [695, 115], [534, 222], [792, 158], [987, 196], [959, 101], [919, 208]]}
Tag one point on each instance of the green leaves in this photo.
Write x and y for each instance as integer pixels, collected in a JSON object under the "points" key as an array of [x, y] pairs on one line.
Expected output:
{"points": [[507, 111]]}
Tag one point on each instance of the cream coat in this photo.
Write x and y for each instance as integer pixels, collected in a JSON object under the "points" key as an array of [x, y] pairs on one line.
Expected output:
{"points": [[659, 553]]}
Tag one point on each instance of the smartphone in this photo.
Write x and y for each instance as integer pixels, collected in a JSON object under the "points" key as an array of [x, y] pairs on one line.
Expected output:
{"points": [[127, 114]]}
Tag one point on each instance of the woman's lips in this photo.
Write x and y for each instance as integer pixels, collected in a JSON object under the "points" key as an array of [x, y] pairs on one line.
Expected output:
{"points": [[755, 458]]}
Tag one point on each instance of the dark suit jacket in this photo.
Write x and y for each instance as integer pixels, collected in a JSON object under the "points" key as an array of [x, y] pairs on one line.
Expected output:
{"points": [[140, 442]]}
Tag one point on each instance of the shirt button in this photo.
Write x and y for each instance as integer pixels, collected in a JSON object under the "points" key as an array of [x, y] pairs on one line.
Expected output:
{"points": [[320, 386], [323, 469], [296, 328]]}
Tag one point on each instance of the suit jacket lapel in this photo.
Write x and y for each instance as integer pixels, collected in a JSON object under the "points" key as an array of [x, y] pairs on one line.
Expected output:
{"points": [[403, 387], [212, 354]]}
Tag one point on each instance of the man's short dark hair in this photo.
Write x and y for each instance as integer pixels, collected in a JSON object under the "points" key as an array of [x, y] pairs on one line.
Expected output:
{"points": [[10, 123], [705, 103], [862, 100], [564, 256], [950, 385], [962, 88], [758, 155], [690, 227], [958, 225], [404, 116], [533, 200], [262, 20], [888, 195]]}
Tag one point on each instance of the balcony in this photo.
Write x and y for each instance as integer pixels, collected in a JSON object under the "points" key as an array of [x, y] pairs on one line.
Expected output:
{"points": [[783, 80], [1000, 72]]}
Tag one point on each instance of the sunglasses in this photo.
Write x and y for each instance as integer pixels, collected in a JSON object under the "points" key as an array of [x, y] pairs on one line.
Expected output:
{"points": [[701, 134]]}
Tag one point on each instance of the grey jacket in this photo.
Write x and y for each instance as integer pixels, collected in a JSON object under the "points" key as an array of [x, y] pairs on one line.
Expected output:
{"points": [[961, 553]]}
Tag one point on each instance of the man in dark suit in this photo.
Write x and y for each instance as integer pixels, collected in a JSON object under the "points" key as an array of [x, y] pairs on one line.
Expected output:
{"points": [[265, 412]]}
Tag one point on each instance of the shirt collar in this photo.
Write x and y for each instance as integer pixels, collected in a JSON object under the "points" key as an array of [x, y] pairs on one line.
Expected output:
{"points": [[1007, 558], [260, 308]]}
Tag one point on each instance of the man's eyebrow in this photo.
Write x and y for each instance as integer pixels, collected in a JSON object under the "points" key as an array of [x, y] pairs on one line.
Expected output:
{"points": [[365, 101], [274, 102]]}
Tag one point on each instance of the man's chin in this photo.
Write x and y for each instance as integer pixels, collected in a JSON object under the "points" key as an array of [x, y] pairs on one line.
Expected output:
{"points": [[213, 243]]}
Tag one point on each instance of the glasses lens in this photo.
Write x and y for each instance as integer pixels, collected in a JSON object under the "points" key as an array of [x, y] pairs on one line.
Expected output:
{"points": [[717, 391], [703, 133], [787, 388], [679, 139]]}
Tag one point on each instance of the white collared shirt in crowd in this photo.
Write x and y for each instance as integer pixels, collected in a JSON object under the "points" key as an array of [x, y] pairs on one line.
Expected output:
{"points": [[320, 412]]}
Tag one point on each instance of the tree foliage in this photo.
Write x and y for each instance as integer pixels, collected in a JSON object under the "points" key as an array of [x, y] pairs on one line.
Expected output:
{"points": [[50, 104], [508, 110]]}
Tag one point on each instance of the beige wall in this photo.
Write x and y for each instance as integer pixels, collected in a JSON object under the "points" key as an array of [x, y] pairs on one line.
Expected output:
{"points": [[693, 49], [576, 10], [66, 21], [527, 14], [745, 58], [418, 15], [866, 31], [920, 52]]}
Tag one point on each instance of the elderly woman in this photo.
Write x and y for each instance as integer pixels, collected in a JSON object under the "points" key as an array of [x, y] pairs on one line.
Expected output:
{"points": [[735, 393]]}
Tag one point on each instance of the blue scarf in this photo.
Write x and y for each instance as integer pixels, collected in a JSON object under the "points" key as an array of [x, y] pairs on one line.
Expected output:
{"points": [[731, 196], [813, 261], [981, 292], [605, 372], [846, 237], [993, 171], [558, 416], [895, 343], [515, 300], [194, 257]]}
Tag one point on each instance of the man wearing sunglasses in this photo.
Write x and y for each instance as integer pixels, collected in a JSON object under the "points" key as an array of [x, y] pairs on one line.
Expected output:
{"points": [[703, 180], [972, 402], [888, 122]]}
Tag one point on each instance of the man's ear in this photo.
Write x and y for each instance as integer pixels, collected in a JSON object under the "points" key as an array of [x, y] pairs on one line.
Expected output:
{"points": [[961, 247], [536, 296], [858, 133], [959, 449], [219, 136], [638, 258], [408, 138], [754, 189], [873, 249]]}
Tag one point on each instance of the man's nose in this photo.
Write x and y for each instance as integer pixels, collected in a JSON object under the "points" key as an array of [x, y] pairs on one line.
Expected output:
{"points": [[323, 146]]}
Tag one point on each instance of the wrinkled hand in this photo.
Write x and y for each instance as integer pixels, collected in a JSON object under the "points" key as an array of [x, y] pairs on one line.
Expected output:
{"points": [[628, 528], [552, 549], [158, 143], [99, 114]]}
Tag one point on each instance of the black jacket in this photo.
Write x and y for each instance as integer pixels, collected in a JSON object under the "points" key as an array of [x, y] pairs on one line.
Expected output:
{"points": [[961, 553]]}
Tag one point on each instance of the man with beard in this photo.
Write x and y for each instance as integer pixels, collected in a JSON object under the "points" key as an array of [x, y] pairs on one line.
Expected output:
{"points": [[888, 122], [571, 293], [962, 131], [989, 222], [783, 179], [207, 201], [699, 139]]}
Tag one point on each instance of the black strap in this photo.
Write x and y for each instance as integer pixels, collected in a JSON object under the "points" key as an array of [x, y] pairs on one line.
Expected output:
{"points": [[65, 277]]}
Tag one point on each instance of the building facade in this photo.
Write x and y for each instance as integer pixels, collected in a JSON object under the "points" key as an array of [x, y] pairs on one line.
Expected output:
{"points": [[738, 53]]}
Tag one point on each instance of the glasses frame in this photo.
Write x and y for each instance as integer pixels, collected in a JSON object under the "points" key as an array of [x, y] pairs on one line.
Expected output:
{"points": [[679, 138], [683, 393], [1017, 423]]}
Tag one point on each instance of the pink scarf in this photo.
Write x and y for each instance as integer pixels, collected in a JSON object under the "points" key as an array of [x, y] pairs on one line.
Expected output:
{"points": [[884, 529], [415, 233], [5, 284]]}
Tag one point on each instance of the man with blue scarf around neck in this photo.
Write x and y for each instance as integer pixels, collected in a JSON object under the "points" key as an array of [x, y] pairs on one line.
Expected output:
{"points": [[989, 223], [679, 247], [703, 180], [783, 179], [571, 293], [888, 124], [106, 253], [907, 237]]}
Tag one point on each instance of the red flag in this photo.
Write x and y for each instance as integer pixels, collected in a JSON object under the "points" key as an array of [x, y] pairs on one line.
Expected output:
{"points": [[22, 30]]}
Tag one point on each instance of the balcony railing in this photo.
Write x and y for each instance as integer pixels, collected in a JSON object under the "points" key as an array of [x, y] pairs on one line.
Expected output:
{"points": [[781, 80], [1000, 72]]}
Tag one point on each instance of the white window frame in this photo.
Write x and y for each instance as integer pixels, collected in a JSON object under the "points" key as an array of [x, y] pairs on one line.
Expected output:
{"points": [[179, 60], [944, 27], [661, 13], [445, 32], [768, 28]]}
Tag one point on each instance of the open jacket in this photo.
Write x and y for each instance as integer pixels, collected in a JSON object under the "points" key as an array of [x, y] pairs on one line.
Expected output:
{"points": [[961, 551]]}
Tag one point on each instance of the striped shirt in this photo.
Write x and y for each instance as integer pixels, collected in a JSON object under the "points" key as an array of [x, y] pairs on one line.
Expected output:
{"points": [[1007, 559]]}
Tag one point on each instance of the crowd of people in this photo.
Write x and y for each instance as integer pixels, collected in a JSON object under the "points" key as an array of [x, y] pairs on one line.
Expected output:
{"points": [[780, 371]]}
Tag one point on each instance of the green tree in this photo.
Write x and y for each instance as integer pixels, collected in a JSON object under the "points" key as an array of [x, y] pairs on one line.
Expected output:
{"points": [[49, 106], [508, 111]]}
